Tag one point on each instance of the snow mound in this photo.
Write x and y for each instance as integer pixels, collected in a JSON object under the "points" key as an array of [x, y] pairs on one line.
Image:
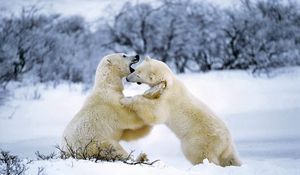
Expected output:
{"points": [[79, 167]]}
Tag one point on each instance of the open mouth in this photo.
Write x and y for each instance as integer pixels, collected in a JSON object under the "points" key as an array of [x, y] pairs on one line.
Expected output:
{"points": [[130, 68], [135, 60]]}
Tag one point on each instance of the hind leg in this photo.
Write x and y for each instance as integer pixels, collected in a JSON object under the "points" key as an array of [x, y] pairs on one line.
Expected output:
{"points": [[229, 157], [193, 153], [196, 151], [102, 150], [112, 150], [121, 151]]}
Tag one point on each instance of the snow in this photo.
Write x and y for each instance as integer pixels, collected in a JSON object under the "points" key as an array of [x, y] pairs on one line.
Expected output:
{"points": [[72, 167], [261, 113]]}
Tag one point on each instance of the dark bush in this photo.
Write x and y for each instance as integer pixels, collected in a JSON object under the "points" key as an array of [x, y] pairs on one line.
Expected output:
{"points": [[189, 36], [11, 164]]}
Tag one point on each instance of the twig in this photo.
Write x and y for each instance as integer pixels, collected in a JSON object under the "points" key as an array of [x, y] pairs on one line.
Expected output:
{"points": [[144, 163], [13, 113]]}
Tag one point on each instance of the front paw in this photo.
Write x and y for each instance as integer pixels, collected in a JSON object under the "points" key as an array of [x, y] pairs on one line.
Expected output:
{"points": [[155, 92], [126, 101]]}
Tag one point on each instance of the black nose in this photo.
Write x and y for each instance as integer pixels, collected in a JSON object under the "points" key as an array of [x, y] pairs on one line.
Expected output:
{"points": [[137, 57]]}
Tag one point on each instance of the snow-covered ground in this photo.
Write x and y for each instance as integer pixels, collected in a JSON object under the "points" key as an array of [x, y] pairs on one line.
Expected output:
{"points": [[261, 113]]}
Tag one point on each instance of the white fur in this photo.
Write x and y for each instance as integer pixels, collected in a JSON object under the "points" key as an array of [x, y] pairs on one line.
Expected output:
{"points": [[102, 119], [201, 132]]}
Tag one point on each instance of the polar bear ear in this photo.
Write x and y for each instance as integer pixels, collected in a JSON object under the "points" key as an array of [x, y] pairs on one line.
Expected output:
{"points": [[147, 58]]}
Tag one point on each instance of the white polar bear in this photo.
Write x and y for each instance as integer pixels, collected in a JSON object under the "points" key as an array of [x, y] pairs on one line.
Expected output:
{"points": [[103, 121], [201, 132]]}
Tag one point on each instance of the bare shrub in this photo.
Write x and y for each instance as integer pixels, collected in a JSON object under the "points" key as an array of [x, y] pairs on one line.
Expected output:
{"points": [[108, 154], [11, 164], [41, 156], [41, 171]]}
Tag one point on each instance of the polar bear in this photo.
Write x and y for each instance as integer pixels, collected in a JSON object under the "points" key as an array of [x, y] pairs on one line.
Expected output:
{"points": [[201, 132], [102, 121]]}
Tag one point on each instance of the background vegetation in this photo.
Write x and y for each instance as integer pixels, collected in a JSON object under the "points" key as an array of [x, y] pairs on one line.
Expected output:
{"points": [[189, 36]]}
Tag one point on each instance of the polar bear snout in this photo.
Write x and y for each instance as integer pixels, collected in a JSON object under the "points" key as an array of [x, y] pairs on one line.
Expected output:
{"points": [[130, 77], [133, 77], [136, 59]]}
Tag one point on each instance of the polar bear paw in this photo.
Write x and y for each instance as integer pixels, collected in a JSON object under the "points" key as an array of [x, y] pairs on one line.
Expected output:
{"points": [[155, 91]]}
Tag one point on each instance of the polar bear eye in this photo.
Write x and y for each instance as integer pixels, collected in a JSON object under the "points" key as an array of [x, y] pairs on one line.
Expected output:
{"points": [[124, 55]]}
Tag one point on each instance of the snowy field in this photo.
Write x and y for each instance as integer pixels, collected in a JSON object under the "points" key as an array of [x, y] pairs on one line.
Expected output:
{"points": [[261, 113]]}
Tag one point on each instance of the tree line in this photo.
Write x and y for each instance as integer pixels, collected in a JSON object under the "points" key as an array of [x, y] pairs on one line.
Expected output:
{"points": [[189, 36]]}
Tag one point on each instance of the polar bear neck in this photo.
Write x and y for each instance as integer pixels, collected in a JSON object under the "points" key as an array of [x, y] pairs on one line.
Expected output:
{"points": [[108, 79]]}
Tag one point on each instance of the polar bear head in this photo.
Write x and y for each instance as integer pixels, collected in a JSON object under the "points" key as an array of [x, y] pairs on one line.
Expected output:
{"points": [[154, 73], [119, 63], [113, 67]]}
